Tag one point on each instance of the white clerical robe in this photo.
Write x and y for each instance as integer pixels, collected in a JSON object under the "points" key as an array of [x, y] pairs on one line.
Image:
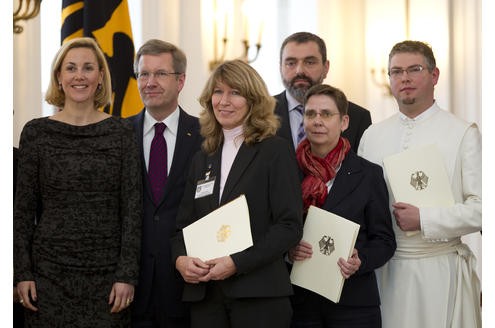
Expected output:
{"points": [[430, 281]]}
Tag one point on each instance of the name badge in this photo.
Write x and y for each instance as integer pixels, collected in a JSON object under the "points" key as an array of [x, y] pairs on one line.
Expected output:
{"points": [[205, 188]]}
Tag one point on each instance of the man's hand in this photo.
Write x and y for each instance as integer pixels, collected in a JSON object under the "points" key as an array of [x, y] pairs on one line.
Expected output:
{"points": [[406, 216]]}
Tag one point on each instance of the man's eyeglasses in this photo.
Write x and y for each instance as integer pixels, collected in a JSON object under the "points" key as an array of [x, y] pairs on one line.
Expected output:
{"points": [[412, 71], [159, 75], [311, 114]]}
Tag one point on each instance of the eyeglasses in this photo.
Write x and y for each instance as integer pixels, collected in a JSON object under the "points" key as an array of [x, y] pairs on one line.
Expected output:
{"points": [[311, 114], [412, 71], [159, 75]]}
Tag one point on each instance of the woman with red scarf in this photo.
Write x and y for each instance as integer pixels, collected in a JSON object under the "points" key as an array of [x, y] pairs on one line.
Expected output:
{"points": [[339, 181]]}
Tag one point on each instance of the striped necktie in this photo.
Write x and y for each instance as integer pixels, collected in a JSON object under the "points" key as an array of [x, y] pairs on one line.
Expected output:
{"points": [[300, 131]]}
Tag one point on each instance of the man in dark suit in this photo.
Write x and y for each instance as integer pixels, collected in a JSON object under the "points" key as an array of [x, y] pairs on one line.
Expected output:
{"points": [[160, 69], [304, 63]]}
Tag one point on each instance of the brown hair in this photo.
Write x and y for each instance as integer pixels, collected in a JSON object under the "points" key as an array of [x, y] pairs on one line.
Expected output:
{"points": [[157, 47], [336, 94], [304, 37], [409, 46]]}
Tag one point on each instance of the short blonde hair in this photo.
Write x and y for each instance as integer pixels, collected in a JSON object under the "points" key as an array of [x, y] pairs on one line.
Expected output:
{"points": [[261, 121], [56, 97]]}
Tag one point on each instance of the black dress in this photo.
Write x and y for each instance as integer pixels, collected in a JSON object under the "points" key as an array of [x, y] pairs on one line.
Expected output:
{"points": [[77, 219]]}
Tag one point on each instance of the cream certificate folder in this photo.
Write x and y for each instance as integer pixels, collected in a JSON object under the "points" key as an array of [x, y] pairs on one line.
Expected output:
{"points": [[331, 237], [418, 176], [224, 231]]}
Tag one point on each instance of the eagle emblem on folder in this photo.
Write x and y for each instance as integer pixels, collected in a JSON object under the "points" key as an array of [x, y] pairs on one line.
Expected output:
{"points": [[326, 244], [419, 180], [223, 233]]}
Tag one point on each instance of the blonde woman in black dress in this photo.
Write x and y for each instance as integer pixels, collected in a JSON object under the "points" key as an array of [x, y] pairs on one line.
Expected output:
{"points": [[77, 211]]}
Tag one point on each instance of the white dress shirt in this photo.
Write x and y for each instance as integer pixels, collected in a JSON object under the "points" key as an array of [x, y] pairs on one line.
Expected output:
{"points": [[295, 118], [170, 134]]}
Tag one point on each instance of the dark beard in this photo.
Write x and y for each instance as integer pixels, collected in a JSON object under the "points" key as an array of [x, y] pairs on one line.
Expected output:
{"points": [[408, 101], [298, 92]]}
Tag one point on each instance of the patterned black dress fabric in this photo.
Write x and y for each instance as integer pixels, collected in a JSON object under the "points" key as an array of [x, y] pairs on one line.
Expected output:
{"points": [[85, 184]]}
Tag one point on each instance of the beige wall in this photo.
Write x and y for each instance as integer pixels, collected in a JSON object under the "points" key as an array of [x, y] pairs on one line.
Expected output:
{"points": [[358, 33]]}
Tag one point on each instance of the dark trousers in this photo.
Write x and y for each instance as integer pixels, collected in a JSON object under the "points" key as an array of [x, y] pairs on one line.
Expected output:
{"points": [[157, 315], [160, 321], [315, 311], [219, 311]]}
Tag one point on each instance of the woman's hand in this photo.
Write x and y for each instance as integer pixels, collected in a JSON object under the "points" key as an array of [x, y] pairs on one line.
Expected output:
{"points": [[349, 267], [302, 251], [121, 296], [220, 268], [27, 292], [192, 269]]}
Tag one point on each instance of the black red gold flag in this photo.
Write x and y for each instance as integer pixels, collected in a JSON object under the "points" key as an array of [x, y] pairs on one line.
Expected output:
{"points": [[108, 22]]}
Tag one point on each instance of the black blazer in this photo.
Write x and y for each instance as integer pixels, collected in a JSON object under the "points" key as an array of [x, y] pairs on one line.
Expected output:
{"points": [[266, 173], [359, 120], [157, 270], [359, 193]]}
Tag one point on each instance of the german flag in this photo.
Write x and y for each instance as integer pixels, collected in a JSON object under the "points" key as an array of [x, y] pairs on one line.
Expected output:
{"points": [[108, 22]]}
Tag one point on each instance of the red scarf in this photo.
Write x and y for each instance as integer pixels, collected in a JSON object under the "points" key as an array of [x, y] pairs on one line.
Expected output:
{"points": [[318, 171]]}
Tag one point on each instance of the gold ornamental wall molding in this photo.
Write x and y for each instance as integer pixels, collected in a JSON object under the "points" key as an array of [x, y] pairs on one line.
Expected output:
{"points": [[25, 10]]}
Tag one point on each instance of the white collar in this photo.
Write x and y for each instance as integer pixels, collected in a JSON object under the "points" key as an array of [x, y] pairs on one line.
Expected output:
{"points": [[235, 135], [421, 117], [171, 121]]}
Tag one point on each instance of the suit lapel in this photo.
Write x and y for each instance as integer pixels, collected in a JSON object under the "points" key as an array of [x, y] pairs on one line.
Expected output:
{"points": [[348, 178], [213, 166], [185, 140], [282, 110], [138, 122], [241, 162]]}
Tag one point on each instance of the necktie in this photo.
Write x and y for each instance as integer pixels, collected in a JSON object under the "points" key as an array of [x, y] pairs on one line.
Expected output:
{"points": [[157, 166], [300, 130]]}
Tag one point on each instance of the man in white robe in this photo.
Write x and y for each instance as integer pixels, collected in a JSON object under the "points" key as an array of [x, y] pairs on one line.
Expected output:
{"points": [[430, 281]]}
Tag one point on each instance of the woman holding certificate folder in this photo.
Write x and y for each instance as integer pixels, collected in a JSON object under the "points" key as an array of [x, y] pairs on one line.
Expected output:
{"points": [[241, 155], [339, 181]]}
